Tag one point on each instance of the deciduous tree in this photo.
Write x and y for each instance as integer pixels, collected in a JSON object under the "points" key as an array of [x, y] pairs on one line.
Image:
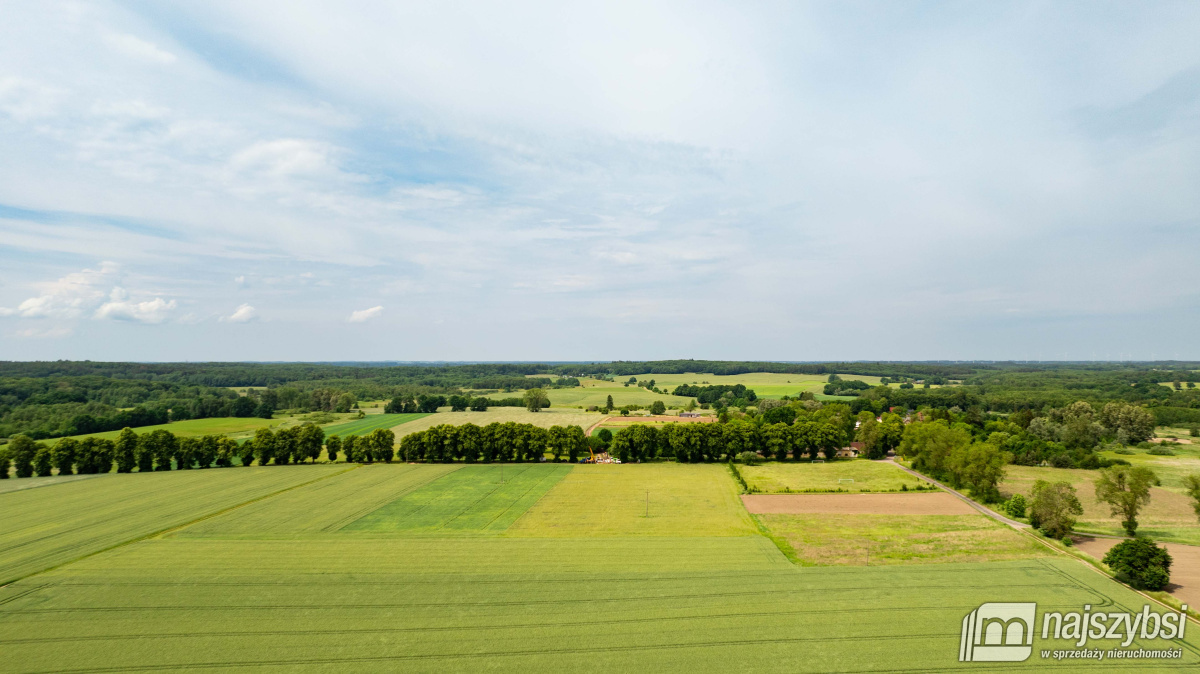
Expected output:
{"points": [[1126, 489]]}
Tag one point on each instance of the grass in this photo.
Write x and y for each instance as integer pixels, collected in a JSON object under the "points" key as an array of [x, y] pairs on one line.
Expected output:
{"points": [[611, 500], [471, 499], [370, 423], [545, 418], [800, 476], [52, 525], [1168, 517], [594, 392], [860, 540]]}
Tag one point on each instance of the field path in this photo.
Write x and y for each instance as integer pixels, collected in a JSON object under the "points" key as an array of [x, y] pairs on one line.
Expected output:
{"points": [[936, 503], [971, 502]]}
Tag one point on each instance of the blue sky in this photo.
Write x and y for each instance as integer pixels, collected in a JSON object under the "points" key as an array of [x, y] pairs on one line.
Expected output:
{"points": [[557, 181]]}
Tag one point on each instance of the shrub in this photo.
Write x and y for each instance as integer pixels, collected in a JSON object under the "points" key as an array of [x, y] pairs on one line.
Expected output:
{"points": [[1143, 445], [1194, 431], [1124, 450], [748, 458], [1161, 451], [1141, 563], [1015, 506]]}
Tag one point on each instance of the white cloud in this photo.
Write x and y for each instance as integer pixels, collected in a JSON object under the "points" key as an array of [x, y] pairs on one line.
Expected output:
{"points": [[364, 315], [70, 296], [5, 311], [57, 332], [120, 308], [138, 48], [243, 314]]}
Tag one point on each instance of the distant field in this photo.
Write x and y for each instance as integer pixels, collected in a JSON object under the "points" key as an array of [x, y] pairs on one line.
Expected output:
{"points": [[471, 499], [854, 475], [56, 524], [765, 384], [595, 393], [859, 540], [611, 500], [1168, 517], [545, 418], [1171, 470], [195, 427], [369, 423]]}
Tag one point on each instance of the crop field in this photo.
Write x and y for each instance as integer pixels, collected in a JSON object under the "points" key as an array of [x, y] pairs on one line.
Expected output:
{"points": [[1168, 516], [613, 500], [370, 423], [323, 506], [35, 482], [853, 475], [318, 577], [55, 524], [471, 499], [860, 540], [545, 418], [1171, 470]]}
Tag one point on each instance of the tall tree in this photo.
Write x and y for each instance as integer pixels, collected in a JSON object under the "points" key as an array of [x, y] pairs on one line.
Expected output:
{"points": [[1053, 507], [264, 445], [333, 445], [5, 466], [126, 450], [43, 461], [63, 455], [536, 399], [22, 449], [1126, 489]]}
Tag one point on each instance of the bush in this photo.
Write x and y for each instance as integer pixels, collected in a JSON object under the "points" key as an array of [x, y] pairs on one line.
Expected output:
{"points": [[1194, 431], [748, 458], [1124, 450], [1161, 451], [1143, 445], [1015, 506], [1141, 563]]}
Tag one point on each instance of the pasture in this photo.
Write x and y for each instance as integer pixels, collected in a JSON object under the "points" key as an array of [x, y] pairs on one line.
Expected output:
{"points": [[190, 428], [369, 423], [594, 392], [852, 475], [545, 418], [1168, 516]]}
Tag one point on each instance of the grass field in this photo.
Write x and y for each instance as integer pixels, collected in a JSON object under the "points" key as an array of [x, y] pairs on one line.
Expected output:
{"points": [[611, 500], [595, 392], [859, 540], [545, 418], [781, 477], [55, 524], [471, 499], [281, 583], [1169, 515], [370, 423]]}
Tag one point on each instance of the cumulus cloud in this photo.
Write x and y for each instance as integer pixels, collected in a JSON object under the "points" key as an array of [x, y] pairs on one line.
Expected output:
{"points": [[71, 296], [364, 315], [138, 48], [243, 314], [121, 308]]}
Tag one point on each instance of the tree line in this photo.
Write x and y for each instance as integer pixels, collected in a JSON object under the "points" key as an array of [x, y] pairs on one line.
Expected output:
{"points": [[502, 442], [735, 395]]}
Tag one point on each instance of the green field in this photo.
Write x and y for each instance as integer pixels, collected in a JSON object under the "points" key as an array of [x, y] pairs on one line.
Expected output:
{"points": [[613, 500], [899, 539], [853, 475], [1168, 516], [594, 392], [545, 418], [364, 569], [55, 524], [471, 499], [370, 423]]}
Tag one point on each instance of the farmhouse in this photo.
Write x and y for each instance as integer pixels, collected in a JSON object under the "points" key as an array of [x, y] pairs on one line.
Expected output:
{"points": [[850, 452], [690, 415]]}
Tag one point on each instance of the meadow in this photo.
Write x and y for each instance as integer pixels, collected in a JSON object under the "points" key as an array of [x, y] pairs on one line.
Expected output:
{"points": [[1168, 516], [595, 392], [190, 428], [345, 568], [852, 475]]}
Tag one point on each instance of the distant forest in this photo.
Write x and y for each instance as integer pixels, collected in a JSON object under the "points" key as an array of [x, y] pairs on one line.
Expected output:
{"points": [[51, 399]]}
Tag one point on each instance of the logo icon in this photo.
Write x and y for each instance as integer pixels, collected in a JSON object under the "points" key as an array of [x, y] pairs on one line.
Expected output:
{"points": [[997, 632]]}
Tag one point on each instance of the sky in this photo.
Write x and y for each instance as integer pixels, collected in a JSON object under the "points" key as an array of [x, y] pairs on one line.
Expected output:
{"points": [[296, 180]]}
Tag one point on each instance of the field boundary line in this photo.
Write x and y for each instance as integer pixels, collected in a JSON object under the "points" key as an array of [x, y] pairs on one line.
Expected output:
{"points": [[167, 530], [966, 499]]}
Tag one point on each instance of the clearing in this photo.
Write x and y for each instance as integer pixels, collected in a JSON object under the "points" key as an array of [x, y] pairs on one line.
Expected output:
{"points": [[934, 503], [853, 475]]}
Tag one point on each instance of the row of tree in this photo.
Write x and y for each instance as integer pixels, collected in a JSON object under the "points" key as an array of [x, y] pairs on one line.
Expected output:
{"points": [[510, 441], [697, 442]]}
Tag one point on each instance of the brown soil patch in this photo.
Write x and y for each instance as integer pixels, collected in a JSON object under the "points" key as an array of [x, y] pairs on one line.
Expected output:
{"points": [[1185, 565], [939, 503]]}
